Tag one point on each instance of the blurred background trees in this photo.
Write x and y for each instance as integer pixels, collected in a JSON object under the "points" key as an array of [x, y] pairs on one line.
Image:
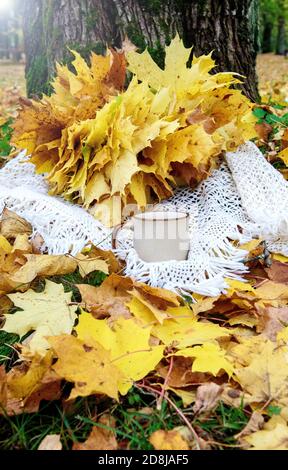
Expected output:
{"points": [[11, 35], [273, 24]]}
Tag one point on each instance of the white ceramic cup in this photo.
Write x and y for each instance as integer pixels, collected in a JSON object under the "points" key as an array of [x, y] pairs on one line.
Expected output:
{"points": [[161, 236]]}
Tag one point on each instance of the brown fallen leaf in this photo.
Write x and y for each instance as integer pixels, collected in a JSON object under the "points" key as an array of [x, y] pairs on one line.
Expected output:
{"points": [[12, 225], [117, 74], [197, 116], [108, 299], [181, 374], [263, 130], [3, 388], [168, 440], [272, 320], [100, 438], [7, 286], [5, 305], [235, 397], [37, 244], [51, 442], [48, 390], [207, 397], [108, 256], [278, 272], [160, 298], [269, 290]]}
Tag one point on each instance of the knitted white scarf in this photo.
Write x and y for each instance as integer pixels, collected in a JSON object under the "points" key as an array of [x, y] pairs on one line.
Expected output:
{"points": [[245, 198]]}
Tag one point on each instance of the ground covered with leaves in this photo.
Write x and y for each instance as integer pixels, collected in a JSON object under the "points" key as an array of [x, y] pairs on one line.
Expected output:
{"points": [[94, 360], [113, 363]]}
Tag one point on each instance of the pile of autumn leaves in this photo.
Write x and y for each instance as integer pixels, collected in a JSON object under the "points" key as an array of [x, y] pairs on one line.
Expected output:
{"points": [[97, 139], [232, 348]]}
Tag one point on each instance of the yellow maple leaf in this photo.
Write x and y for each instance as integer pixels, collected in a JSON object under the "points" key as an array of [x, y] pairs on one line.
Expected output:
{"points": [[284, 156], [186, 332], [21, 385], [88, 366], [266, 374], [5, 245], [128, 344], [147, 313], [47, 313], [238, 286], [208, 358]]}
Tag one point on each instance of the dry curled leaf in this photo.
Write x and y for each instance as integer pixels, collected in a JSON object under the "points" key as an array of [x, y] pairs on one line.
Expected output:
{"points": [[51, 442], [12, 225], [108, 299], [43, 266], [207, 397], [271, 320]]}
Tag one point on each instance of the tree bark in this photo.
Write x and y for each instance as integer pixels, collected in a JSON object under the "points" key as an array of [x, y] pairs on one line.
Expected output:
{"points": [[229, 27], [37, 76], [83, 25], [51, 27]]}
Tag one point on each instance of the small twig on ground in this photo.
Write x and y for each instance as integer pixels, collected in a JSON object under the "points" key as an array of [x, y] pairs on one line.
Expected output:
{"points": [[161, 397], [178, 411]]}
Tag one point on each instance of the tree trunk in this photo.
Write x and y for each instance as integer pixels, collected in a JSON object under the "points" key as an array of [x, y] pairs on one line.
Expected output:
{"points": [[83, 25], [149, 23], [57, 25], [37, 76], [228, 27]]}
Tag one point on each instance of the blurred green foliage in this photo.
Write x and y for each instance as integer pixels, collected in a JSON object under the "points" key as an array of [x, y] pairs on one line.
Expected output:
{"points": [[5, 137], [273, 25]]}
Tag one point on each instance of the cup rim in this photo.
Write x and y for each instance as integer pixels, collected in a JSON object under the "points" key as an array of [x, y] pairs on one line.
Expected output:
{"points": [[178, 216]]}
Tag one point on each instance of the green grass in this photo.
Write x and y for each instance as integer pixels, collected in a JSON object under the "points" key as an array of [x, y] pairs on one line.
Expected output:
{"points": [[222, 424], [7, 340], [136, 419], [5, 137]]}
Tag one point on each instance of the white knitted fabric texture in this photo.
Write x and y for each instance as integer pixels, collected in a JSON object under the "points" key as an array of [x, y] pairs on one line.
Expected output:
{"points": [[245, 198]]}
